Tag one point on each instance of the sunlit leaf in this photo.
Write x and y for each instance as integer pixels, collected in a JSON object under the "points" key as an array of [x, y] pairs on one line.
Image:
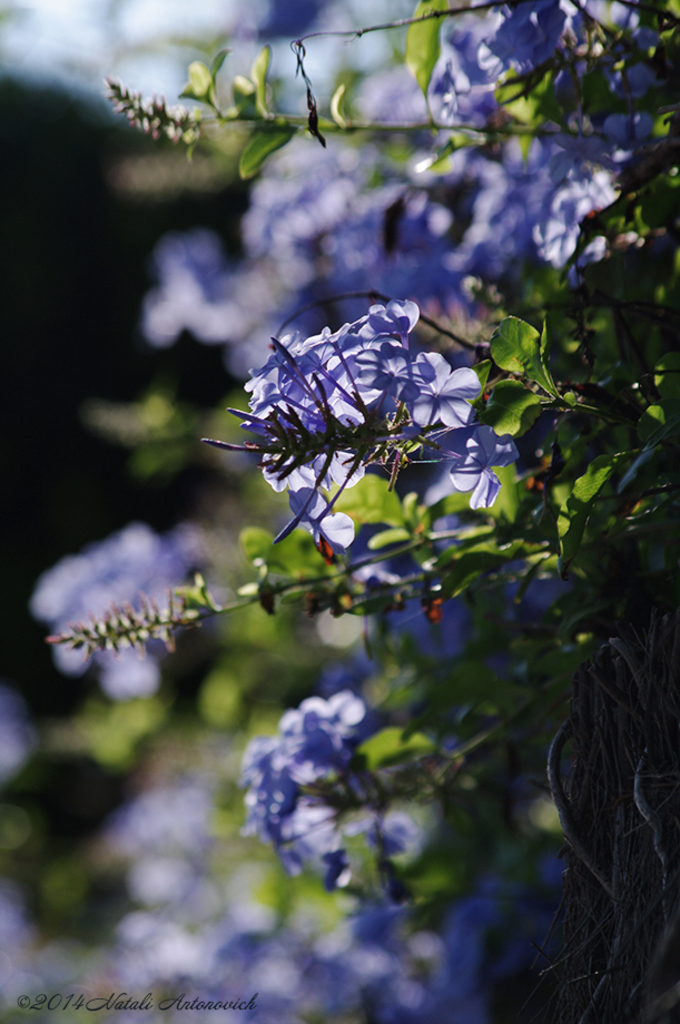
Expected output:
{"points": [[337, 104], [511, 409], [200, 85], [395, 535], [659, 422], [258, 74], [260, 145], [422, 42], [516, 346], [369, 501], [576, 511], [387, 747]]}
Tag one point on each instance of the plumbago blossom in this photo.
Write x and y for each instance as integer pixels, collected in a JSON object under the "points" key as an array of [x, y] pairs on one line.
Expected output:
{"points": [[328, 406], [317, 741]]}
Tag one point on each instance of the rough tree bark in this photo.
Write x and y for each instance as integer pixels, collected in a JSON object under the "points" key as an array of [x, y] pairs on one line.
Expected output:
{"points": [[619, 805]]}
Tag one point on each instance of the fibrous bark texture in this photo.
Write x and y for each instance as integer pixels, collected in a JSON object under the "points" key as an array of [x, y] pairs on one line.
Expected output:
{"points": [[619, 804]]}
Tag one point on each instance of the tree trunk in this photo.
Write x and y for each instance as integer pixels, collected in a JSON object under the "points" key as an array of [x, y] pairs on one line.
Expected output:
{"points": [[619, 805]]}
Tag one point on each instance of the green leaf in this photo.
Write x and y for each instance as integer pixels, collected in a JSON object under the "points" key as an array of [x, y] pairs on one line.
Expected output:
{"points": [[200, 85], [256, 544], [337, 104], [506, 505], [482, 370], [512, 409], [439, 161], [667, 375], [387, 747], [659, 421], [260, 145], [516, 346], [297, 556], [509, 342], [422, 42], [218, 61], [245, 97], [198, 596], [258, 73], [395, 535], [575, 512], [480, 559], [539, 103], [369, 501]]}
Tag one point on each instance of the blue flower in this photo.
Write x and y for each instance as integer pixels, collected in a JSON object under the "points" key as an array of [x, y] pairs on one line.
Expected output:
{"points": [[442, 395], [474, 451]]}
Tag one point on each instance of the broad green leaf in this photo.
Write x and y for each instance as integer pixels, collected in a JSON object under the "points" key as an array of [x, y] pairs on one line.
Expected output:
{"points": [[256, 544], [516, 346], [659, 421], [260, 145], [387, 748], [395, 535], [337, 104], [369, 501], [575, 512], [258, 73], [200, 85], [511, 409], [422, 42]]}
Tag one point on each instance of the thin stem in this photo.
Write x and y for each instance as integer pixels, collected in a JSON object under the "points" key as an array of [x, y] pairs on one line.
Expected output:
{"points": [[405, 22]]}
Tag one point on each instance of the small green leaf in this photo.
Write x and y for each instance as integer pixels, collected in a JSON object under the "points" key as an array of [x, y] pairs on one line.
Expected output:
{"points": [[258, 73], [395, 535], [659, 421], [509, 341], [198, 596], [337, 105], [512, 409], [387, 747], [667, 375], [541, 367], [439, 162], [482, 370], [245, 97], [218, 61], [256, 544], [369, 501], [516, 346], [422, 42], [260, 145], [575, 512], [200, 85]]}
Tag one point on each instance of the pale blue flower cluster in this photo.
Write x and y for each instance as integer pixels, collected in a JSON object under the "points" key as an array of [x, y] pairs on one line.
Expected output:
{"points": [[317, 741], [325, 407]]}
